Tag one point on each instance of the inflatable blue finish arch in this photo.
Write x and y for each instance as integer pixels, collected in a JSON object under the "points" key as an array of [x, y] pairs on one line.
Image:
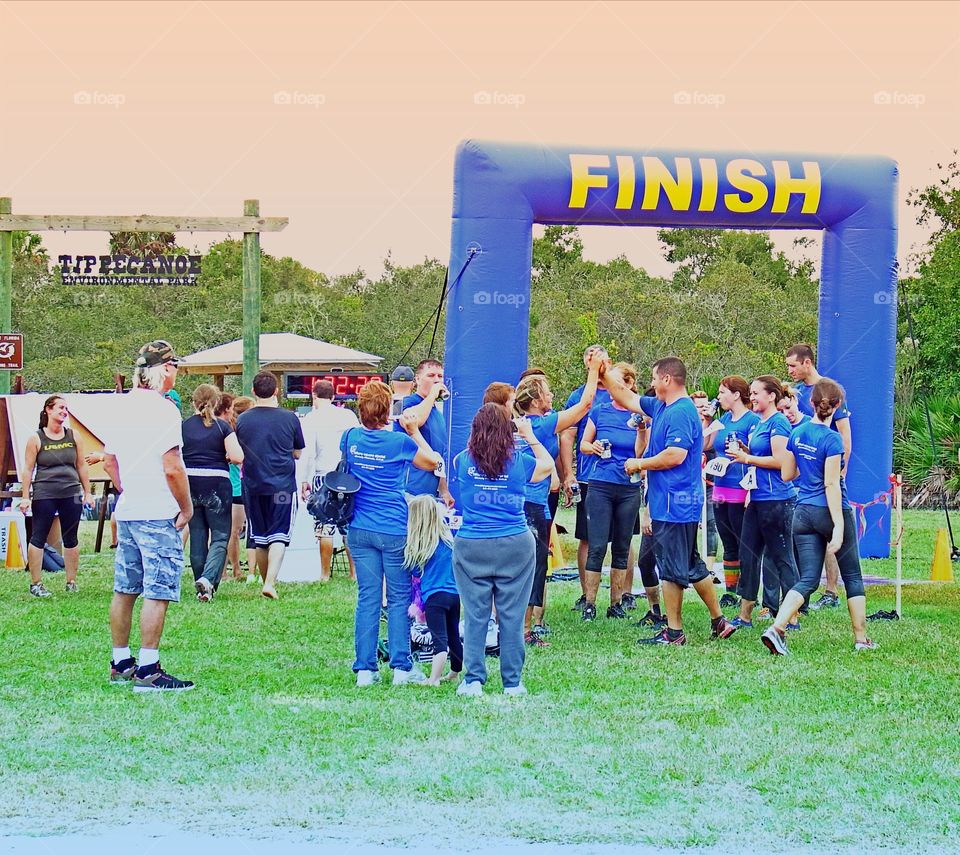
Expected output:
{"points": [[501, 190]]}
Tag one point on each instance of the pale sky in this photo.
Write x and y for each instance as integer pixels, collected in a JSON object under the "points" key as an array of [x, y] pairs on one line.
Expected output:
{"points": [[345, 117]]}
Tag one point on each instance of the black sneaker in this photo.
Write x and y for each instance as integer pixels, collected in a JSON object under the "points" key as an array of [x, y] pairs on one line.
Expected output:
{"points": [[729, 601], [827, 600], [153, 678], [39, 590], [664, 638], [616, 611], [589, 612], [579, 604], [629, 602], [540, 630], [123, 671], [652, 620]]}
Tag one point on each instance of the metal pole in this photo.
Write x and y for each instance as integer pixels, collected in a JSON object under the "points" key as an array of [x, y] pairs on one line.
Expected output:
{"points": [[898, 498], [6, 284], [251, 299]]}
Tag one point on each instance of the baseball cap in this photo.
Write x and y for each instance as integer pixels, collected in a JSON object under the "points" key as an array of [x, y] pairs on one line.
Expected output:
{"points": [[402, 373], [155, 353]]}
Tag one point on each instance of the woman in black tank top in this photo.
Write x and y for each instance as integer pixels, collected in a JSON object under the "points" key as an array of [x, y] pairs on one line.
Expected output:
{"points": [[55, 468]]}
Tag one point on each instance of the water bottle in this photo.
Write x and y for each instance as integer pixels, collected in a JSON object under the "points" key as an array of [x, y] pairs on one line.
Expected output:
{"points": [[605, 454], [635, 421], [712, 407], [575, 493]]}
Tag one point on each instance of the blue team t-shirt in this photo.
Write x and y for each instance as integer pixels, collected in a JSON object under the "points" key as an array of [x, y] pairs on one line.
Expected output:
{"points": [[437, 573], [741, 429], [585, 462], [434, 431], [491, 507], [804, 393], [804, 418], [770, 484], [545, 430], [811, 444], [379, 458], [674, 495], [611, 424]]}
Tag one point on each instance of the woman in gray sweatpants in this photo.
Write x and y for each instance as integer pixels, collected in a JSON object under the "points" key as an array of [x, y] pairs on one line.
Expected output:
{"points": [[494, 551]]}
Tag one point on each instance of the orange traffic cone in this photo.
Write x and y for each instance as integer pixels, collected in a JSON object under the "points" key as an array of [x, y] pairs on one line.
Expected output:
{"points": [[15, 559], [941, 570]]}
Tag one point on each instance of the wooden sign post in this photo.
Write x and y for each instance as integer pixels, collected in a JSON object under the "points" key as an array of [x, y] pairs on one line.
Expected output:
{"points": [[251, 224]]}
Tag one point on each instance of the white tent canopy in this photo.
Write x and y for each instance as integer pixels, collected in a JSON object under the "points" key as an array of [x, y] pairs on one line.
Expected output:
{"points": [[280, 352]]}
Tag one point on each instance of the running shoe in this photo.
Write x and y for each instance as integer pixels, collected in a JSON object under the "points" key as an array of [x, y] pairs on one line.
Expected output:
{"points": [[471, 689], [775, 642], [740, 623], [153, 678], [793, 627], [765, 614], [629, 602], [204, 590], [39, 590], [408, 678], [367, 678], [826, 600], [71, 588], [723, 629], [663, 638], [123, 671], [868, 644], [729, 601], [589, 612], [579, 604], [541, 630], [616, 611], [515, 691], [531, 639], [652, 619]]}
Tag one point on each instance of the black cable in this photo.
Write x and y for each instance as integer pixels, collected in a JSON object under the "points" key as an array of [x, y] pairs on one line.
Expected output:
{"points": [[954, 552], [436, 313]]}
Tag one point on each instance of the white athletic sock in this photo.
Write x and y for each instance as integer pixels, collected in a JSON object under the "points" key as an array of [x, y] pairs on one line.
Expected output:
{"points": [[148, 657], [120, 653]]}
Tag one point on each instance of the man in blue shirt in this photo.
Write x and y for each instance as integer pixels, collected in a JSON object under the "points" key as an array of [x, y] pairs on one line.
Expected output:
{"points": [[675, 494], [423, 404], [802, 370], [575, 467]]}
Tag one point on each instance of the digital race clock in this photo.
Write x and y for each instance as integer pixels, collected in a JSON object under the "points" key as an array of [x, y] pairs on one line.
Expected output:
{"points": [[346, 384]]}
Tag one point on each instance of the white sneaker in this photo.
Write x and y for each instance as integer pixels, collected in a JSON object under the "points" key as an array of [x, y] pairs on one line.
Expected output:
{"points": [[515, 691], [473, 689], [414, 676], [367, 678]]}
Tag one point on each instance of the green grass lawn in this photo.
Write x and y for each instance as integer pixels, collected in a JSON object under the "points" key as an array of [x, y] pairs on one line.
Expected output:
{"points": [[715, 744]]}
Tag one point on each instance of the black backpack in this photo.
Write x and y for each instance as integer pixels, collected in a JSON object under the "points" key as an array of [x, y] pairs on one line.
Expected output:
{"points": [[333, 503]]}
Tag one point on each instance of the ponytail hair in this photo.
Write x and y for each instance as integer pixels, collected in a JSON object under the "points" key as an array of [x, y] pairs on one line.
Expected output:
{"points": [[771, 384], [47, 405], [425, 529], [206, 398], [827, 395]]}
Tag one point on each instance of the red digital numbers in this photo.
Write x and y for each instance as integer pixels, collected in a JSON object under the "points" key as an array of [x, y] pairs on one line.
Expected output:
{"points": [[347, 385]]}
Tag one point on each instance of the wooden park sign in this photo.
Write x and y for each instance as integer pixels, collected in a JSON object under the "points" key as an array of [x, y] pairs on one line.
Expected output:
{"points": [[181, 269], [251, 224]]}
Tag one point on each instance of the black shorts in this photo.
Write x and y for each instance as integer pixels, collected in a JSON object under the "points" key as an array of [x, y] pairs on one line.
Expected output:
{"points": [[270, 518], [238, 500], [675, 547], [580, 529]]}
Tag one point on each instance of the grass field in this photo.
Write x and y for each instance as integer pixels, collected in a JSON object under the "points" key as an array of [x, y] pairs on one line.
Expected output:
{"points": [[710, 745]]}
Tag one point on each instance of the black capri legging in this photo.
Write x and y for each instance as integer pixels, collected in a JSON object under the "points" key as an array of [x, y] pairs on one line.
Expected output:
{"points": [[612, 509], [540, 527], [647, 562], [729, 516], [443, 618], [812, 530], [767, 540], [44, 510]]}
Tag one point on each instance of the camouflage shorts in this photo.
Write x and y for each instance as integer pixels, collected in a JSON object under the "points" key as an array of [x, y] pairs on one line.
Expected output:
{"points": [[149, 559]]}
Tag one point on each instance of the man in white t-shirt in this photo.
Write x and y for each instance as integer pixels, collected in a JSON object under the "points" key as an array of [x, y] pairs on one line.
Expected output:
{"points": [[322, 428], [142, 458]]}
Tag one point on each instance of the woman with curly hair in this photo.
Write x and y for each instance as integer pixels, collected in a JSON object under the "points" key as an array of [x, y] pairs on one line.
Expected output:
{"points": [[494, 552]]}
